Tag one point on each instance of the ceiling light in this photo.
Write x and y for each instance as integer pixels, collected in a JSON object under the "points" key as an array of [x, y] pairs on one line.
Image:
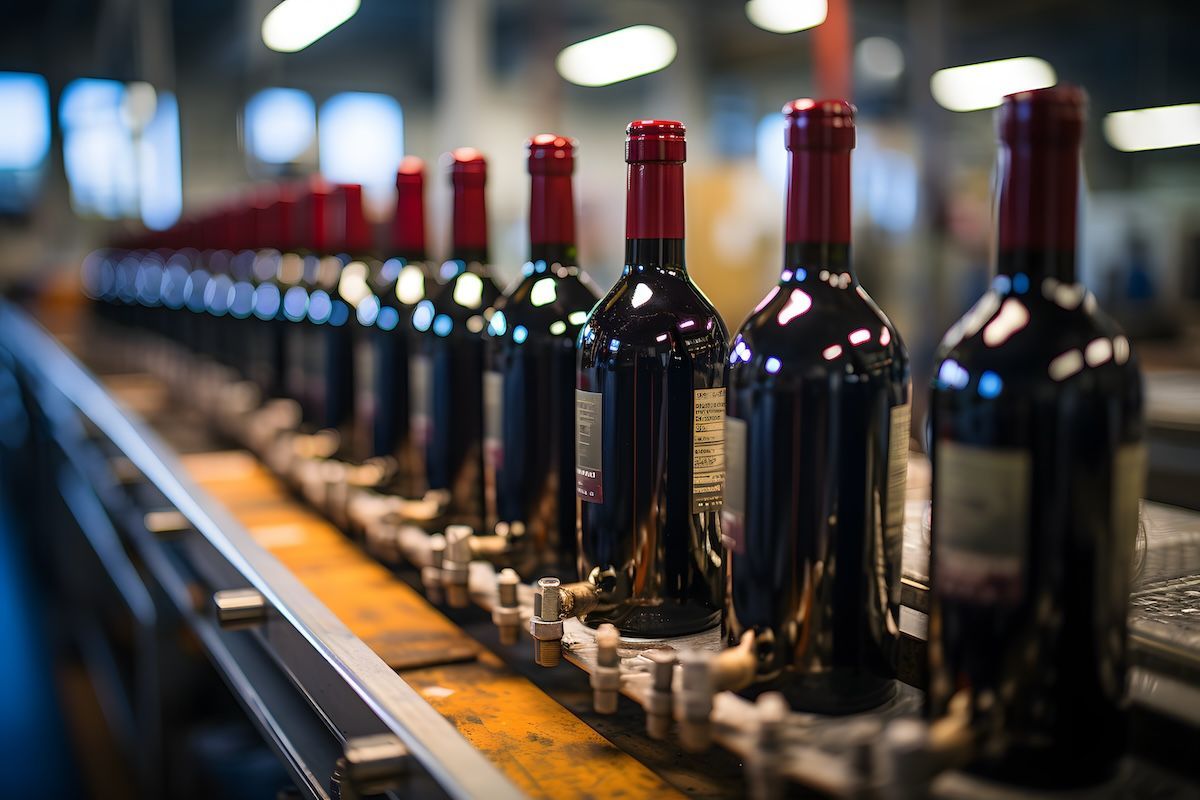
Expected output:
{"points": [[617, 56], [1153, 128], [787, 16], [295, 24], [976, 86]]}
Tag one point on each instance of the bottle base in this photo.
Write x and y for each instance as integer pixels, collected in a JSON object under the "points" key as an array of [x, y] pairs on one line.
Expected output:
{"points": [[832, 695], [655, 622]]}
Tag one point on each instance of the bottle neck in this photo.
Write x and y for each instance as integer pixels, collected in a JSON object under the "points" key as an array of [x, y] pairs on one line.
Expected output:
{"points": [[553, 253], [802, 260], [818, 208], [551, 219], [654, 201], [663, 253], [470, 239], [1037, 210]]}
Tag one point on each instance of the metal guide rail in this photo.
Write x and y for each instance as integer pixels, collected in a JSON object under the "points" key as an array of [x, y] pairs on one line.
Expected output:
{"points": [[379, 730], [885, 752]]}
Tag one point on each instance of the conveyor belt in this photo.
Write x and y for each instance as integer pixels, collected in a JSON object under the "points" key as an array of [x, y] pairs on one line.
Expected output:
{"points": [[542, 748]]}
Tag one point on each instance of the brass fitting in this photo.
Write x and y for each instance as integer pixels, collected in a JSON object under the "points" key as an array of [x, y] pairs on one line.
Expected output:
{"points": [[507, 611], [579, 598]]}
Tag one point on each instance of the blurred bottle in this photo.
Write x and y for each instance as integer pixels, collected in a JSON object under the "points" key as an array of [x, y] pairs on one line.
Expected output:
{"points": [[649, 410], [817, 448], [1038, 465], [529, 387], [447, 370]]}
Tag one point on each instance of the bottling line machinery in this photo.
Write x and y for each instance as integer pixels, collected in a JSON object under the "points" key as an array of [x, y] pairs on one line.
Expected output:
{"points": [[178, 514]]}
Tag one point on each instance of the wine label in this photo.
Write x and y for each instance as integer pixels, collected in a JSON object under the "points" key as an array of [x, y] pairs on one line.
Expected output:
{"points": [[589, 472], [733, 513], [897, 472], [708, 449], [364, 391], [981, 519], [493, 413], [1128, 485], [419, 402]]}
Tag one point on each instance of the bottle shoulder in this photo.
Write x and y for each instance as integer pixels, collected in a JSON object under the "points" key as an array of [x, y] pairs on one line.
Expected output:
{"points": [[1054, 336], [799, 328]]}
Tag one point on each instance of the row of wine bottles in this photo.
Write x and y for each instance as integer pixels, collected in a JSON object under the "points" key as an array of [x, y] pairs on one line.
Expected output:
{"points": [[692, 480]]}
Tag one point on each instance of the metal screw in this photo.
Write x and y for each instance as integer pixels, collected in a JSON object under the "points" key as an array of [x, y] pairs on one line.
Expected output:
{"points": [[431, 575], [507, 613], [456, 565]]}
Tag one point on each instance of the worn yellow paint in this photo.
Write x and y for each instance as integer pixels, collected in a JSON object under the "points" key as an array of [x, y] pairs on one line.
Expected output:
{"points": [[542, 747]]}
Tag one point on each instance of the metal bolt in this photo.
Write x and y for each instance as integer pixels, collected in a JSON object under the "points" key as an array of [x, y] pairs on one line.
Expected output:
{"points": [[507, 613], [658, 701], [545, 627], [456, 565], [431, 574], [606, 676]]}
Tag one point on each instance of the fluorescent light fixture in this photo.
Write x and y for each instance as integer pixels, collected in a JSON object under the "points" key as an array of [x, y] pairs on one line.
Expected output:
{"points": [[976, 86], [25, 107], [787, 16], [1153, 128], [360, 139], [617, 56], [280, 125], [160, 172], [295, 24], [879, 59]]}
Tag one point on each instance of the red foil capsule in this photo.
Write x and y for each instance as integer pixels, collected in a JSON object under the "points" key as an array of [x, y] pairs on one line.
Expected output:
{"points": [[551, 207], [408, 226], [1040, 133], [468, 175], [655, 151], [819, 136]]}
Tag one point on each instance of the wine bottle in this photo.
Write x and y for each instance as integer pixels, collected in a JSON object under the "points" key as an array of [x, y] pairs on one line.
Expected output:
{"points": [[529, 388], [817, 448], [649, 409], [1038, 464], [447, 372]]}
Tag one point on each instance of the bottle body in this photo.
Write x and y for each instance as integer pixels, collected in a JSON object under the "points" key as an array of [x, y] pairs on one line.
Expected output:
{"points": [[447, 376], [649, 460], [529, 408], [1037, 477], [1038, 463], [817, 442]]}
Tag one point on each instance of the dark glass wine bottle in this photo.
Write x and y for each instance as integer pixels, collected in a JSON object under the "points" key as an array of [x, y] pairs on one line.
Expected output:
{"points": [[331, 313], [415, 280], [529, 388], [389, 291], [649, 410], [1038, 464], [447, 370], [817, 448]]}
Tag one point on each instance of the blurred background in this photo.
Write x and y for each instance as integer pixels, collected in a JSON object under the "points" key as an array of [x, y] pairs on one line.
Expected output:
{"points": [[130, 113], [121, 116]]}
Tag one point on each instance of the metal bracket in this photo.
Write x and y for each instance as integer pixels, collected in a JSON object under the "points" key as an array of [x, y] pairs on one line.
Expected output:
{"points": [[237, 608]]}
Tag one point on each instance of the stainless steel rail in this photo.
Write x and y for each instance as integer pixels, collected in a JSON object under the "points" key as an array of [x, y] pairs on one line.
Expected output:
{"points": [[347, 684]]}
